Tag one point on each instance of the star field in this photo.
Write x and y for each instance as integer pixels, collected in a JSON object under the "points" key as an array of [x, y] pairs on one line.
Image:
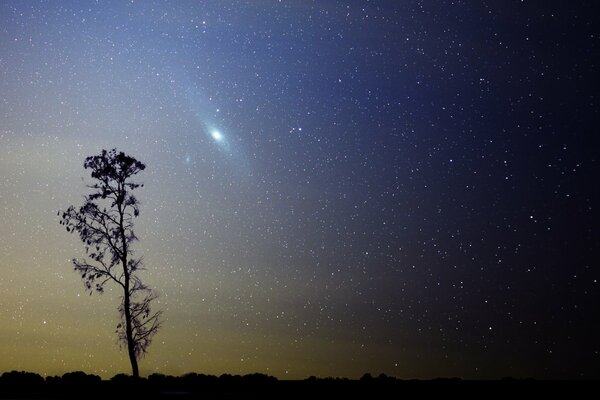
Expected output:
{"points": [[332, 188]]}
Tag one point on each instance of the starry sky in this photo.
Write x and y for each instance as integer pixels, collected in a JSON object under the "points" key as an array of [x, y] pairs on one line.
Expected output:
{"points": [[332, 187]]}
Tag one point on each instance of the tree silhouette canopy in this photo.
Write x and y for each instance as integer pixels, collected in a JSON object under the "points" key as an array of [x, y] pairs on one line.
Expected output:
{"points": [[105, 226]]}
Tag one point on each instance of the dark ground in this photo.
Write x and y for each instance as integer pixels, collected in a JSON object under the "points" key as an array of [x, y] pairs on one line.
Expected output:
{"points": [[24, 385]]}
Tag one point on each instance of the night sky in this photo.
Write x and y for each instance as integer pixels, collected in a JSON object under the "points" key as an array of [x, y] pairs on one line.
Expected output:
{"points": [[332, 188]]}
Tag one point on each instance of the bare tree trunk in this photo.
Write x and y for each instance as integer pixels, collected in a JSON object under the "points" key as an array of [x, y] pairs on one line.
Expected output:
{"points": [[126, 296], [128, 331]]}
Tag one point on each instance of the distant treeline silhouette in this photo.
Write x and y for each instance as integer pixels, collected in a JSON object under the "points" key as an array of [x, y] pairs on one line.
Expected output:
{"points": [[78, 384]]}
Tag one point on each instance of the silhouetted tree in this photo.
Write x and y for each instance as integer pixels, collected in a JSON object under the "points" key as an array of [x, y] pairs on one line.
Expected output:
{"points": [[21, 379], [105, 226]]}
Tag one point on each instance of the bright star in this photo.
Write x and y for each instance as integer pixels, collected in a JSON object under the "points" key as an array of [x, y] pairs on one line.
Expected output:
{"points": [[216, 135]]}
